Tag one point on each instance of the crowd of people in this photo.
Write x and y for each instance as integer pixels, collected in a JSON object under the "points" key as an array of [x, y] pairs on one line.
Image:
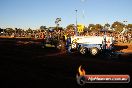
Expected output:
{"points": [[62, 34], [119, 37], [124, 38]]}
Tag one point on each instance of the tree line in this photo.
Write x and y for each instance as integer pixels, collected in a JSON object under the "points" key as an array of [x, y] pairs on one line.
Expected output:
{"points": [[116, 26]]}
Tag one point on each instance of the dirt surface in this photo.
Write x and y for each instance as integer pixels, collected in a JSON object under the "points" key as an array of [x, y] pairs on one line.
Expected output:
{"points": [[124, 47], [31, 66]]}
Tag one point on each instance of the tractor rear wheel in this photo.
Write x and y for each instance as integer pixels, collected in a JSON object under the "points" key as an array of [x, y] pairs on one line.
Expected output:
{"points": [[94, 51], [83, 50]]}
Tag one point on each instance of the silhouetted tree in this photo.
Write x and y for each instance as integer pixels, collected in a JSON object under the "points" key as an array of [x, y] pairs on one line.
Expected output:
{"points": [[118, 26], [98, 27], [129, 27], [43, 28], [9, 31]]}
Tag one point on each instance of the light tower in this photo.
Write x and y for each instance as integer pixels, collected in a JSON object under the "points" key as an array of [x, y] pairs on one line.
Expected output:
{"points": [[76, 24]]}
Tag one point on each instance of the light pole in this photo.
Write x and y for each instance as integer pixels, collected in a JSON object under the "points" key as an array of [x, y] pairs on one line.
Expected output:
{"points": [[76, 24], [57, 25], [125, 23], [125, 26], [3, 32]]}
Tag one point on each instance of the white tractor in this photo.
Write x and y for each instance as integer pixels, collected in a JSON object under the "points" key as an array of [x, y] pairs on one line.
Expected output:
{"points": [[92, 44]]}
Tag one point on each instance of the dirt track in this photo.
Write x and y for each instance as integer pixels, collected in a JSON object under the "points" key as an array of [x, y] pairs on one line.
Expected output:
{"points": [[27, 66], [127, 47]]}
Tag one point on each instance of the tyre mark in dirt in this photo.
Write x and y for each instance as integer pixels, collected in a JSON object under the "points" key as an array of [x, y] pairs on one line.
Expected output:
{"points": [[56, 54]]}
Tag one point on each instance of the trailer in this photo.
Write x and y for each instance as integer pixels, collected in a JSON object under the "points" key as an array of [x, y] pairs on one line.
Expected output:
{"points": [[89, 44]]}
